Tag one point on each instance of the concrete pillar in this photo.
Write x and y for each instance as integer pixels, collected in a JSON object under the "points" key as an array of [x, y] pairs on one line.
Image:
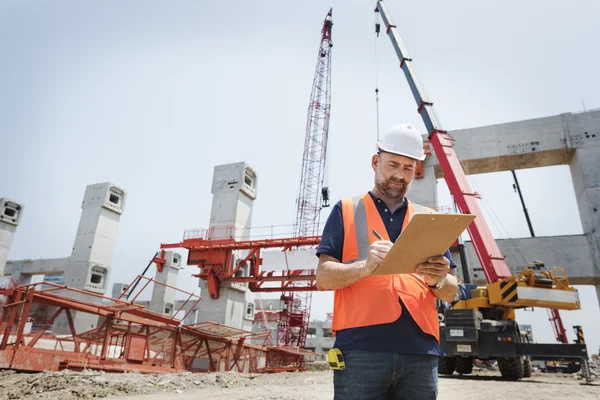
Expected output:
{"points": [[192, 317], [585, 172], [118, 289], [10, 217], [234, 191], [424, 190], [319, 336], [163, 297], [91, 257]]}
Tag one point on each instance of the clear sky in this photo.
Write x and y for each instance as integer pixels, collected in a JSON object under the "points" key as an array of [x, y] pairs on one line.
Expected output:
{"points": [[151, 95]]}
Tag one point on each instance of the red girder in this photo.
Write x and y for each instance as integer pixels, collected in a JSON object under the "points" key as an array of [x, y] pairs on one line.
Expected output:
{"points": [[199, 244], [214, 257]]}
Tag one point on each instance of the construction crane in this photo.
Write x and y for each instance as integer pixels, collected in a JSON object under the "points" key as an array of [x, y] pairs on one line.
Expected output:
{"points": [[312, 195], [482, 325]]}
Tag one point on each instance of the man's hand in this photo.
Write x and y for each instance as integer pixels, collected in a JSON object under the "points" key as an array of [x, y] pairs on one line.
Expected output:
{"points": [[332, 274], [434, 270], [377, 253]]}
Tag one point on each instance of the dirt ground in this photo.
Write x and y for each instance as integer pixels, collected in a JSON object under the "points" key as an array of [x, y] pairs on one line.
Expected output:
{"points": [[301, 385]]}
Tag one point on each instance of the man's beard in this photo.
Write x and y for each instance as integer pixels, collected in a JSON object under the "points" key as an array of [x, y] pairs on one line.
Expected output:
{"points": [[392, 191]]}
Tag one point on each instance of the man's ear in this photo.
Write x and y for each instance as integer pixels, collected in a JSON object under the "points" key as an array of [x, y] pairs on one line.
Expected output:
{"points": [[375, 161]]}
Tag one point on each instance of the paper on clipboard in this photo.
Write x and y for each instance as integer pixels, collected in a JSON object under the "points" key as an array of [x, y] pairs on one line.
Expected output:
{"points": [[426, 235]]}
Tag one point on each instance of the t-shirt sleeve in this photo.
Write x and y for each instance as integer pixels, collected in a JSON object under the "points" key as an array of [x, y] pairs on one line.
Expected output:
{"points": [[449, 257], [332, 239]]}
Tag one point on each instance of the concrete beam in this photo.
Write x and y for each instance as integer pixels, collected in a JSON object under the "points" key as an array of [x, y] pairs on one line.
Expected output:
{"points": [[19, 268], [524, 144], [573, 252]]}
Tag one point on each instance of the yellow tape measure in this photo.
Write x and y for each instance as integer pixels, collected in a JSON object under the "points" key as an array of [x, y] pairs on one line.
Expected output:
{"points": [[335, 359]]}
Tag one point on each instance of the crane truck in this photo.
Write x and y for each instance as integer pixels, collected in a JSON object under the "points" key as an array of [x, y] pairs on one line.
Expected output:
{"points": [[481, 324]]}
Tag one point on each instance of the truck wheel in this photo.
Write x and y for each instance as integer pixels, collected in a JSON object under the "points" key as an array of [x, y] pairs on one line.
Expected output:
{"points": [[526, 367], [511, 368], [464, 365], [446, 365], [573, 368]]}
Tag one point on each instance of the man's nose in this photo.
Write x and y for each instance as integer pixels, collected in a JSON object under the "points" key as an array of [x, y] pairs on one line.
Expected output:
{"points": [[400, 176]]}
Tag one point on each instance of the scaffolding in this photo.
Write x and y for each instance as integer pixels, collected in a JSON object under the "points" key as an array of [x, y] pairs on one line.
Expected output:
{"points": [[127, 338], [294, 318]]}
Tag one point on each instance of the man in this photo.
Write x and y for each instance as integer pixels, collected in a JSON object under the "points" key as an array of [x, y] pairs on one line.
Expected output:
{"points": [[386, 326]]}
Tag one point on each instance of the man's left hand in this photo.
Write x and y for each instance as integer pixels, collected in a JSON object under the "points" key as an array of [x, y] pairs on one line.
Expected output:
{"points": [[434, 270]]}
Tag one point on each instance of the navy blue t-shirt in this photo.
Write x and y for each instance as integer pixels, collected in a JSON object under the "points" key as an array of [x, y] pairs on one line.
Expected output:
{"points": [[400, 336]]}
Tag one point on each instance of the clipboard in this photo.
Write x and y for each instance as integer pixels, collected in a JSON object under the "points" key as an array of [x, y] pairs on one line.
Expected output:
{"points": [[426, 235]]}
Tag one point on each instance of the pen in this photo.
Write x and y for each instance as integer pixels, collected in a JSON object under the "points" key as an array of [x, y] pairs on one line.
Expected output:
{"points": [[377, 235]]}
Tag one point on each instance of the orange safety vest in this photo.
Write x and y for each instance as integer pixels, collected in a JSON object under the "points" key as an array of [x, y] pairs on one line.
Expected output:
{"points": [[375, 300]]}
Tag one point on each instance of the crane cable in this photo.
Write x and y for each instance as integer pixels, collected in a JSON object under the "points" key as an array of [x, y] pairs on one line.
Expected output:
{"points": [[493, 214], [377, 30]]}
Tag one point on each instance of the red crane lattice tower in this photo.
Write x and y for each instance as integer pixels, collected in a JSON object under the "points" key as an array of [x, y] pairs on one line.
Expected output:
{"points": [[315, 142], [294, 319]]}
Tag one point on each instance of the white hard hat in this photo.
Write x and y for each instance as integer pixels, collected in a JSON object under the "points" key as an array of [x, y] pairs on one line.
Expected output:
{"points": [[404, 140]]}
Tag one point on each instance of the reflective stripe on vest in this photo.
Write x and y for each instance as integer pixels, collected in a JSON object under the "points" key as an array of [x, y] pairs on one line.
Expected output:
{"points": [[374, 300]]}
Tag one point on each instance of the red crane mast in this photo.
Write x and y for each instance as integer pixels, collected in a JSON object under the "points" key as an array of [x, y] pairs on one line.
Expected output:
{"points": [[312, 196]]}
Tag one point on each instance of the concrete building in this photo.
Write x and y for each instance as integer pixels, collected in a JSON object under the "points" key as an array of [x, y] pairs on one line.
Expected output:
{"points": [[88, 267], [567, 139]]}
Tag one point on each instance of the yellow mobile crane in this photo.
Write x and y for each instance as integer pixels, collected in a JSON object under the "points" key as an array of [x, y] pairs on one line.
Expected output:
{"points": [[482, 324]]}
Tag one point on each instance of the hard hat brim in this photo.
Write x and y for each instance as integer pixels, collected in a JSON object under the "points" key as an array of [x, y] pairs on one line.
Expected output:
{"points": [[399, 153]]}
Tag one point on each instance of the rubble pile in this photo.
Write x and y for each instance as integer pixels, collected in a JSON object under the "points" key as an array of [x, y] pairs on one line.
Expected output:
{"points": [[595, 367], [594, 364], [69, 385]]}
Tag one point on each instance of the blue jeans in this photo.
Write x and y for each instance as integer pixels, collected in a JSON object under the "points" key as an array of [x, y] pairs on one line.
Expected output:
{"points": [[377, 375]]}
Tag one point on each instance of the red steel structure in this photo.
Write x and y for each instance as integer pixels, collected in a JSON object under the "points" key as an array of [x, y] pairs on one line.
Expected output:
{"points": [[293, 319], [128, 337], [215, 259]]}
